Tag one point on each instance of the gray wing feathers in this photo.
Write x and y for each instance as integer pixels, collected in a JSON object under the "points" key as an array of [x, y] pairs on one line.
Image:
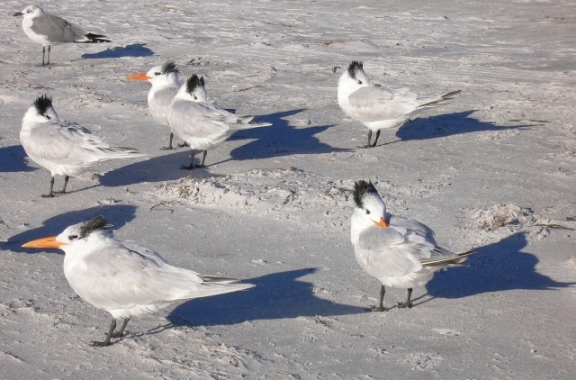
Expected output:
{"points": [[57, 29]]}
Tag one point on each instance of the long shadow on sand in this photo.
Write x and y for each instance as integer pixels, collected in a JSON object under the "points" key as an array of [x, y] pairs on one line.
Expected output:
{"points": [[157, 169], [134, 50], [493, 268], [447, 125], [117, 215], [280, 139], [276, 296], [13, 159]]}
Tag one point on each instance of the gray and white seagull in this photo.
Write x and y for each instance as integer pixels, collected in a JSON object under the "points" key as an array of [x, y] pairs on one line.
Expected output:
{"points": [[48, 29]]}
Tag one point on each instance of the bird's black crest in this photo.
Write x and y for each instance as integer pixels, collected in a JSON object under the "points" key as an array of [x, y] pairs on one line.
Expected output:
{"points": [[169, 67], [361, 188], [193, 82], [94, 224], [42, 103], [355, 66]]}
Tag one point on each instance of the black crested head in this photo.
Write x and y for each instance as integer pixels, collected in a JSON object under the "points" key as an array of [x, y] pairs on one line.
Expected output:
{"points": [[361, 188], [193, 82], [354, 67], [94, 224], [169, 67], [42, 103]]}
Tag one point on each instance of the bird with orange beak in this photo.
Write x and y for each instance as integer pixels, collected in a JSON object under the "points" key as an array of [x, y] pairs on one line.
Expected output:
{"points": [[399, 252], [123, 278], [165, 85]]}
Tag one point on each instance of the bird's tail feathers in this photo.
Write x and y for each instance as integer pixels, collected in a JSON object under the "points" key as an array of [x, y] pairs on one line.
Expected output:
{"points": [[442, 99], [215, 287], [122, 152], [92, 38], [454, 260]]}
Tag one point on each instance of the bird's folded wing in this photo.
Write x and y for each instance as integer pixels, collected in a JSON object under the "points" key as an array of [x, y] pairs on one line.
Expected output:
{"points": [[388, 252], [57, 29], [378, 103]]}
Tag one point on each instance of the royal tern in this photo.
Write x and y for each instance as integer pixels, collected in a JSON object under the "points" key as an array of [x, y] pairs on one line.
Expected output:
{"points": [[379, 107], [63, 148], [48, 29], [123, 278], [399, 252], [200, 121], [165, 85]]}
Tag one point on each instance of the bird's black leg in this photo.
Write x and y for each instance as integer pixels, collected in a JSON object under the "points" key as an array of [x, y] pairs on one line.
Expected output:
{"points": [[376, 139], [204, 153], [169, 147], [120, 333], [66, 178], [106, 341], [49, 48], [381, 303], [369, 138], [191, 162], [51, 193], [43, 52], [408, 303]]}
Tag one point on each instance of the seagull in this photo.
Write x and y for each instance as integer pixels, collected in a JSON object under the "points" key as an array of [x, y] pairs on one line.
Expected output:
{"points": [[201, 122], [124, 278], [63, 148], [379, 107], [399, 252], [48, 29], [165, 85]]}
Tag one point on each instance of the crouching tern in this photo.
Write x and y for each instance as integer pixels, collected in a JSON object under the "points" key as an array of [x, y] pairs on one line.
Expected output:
{"points": [[61, 147], [379, 107], [123, 278], [399, 252], [48, 29], [201, 122]]}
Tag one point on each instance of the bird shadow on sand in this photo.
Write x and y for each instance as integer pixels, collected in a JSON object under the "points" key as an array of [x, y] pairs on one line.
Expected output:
{"points": [[157, 169], [276, 296], [134, 50], [13, 159], [117, 215], [280, 139], [495, 267], [447, 125]]}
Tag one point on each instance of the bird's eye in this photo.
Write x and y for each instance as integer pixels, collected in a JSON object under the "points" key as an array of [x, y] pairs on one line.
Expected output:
{"points": [[72, 237], [157, 73], [195, 98], [367, 212], [359, 82], [47, 117]]}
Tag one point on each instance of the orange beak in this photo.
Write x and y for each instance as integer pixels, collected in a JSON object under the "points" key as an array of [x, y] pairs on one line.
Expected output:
{"points": [[139, 76], [47, 242], [381, 223]]}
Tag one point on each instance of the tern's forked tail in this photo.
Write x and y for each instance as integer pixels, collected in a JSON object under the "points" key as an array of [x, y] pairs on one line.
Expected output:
{"points": [[92, 38]]}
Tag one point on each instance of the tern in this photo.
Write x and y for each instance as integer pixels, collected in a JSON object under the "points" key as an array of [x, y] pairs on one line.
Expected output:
{"points": [[165, 85], [61, 147], [48, 29], [379, 107], [123, 278], [399, 252], [201, 122]]}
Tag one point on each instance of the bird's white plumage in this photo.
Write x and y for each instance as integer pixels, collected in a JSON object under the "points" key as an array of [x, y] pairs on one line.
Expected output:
{"points": [[201, 122], [165, 85], [129, 280], [65, 148], [378, 107], [396, 255]]}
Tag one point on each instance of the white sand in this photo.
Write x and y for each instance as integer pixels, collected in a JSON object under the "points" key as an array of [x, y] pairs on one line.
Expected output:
{"points": [[493, 169]]}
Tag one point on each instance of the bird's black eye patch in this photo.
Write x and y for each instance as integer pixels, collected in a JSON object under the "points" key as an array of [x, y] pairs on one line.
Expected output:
{"points": [[73, 237]]}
